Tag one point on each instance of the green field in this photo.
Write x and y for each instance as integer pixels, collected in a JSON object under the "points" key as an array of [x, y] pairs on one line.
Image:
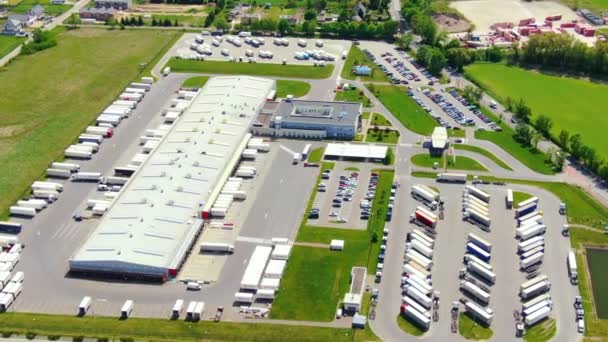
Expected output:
{"points": [[382, 136], [457, 133], [316, 155], [379, 120], [583, 112], [295, 88], [462, 163], [408, 112], [484, 153], [471, 330], [530, 157], [195, 82], [50, 10], [597, 6], [353, 95], [541, 332], [111, 328], [50, 97], [9, 43], [253, 69], [356, 57], [519, 196], [409, 327], [597, 260]]}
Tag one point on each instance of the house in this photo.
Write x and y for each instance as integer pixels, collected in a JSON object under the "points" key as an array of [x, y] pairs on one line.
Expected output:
{"points": [[360, 10], [250, 18], [99, 14], [37, 12], [12, 27], [116, 4], [25, 19], [291, 19]]}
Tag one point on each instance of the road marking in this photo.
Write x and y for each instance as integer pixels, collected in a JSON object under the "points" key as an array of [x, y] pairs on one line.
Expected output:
{"points": [[258, 241], [266, 216], [58, 231], [286, 149], [66, 231], [74, 229]]}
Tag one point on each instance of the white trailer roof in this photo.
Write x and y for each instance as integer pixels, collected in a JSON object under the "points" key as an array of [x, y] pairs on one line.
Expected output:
{"points": [[439, 138], [366, 151], [281, 252], [255, 268], [153, 220], [275, 268]]}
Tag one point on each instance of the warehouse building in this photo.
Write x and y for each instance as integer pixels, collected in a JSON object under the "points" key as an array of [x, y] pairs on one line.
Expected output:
{"points": [[310, 119], [151, 226]]}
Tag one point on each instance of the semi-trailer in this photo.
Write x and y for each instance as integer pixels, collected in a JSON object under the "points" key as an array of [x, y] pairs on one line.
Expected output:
{"points": [[475, 217], [425, 195], [5, 301], [48, 195], [113, 120], [509, 199], [532, 252], [4, 279], [93, 202], [264, 294], [22, 211], [422, 236], [138, 85], [124, 171], [135, 90], [535, 301], [197, 315], [424, 218], [468, 198], [13, 289], [82, 148], [255, 267], [525, 245], [130, 96], [528, 232], [419, 283], [76, 154], [419, 258], [10, 227], [531, 217], [531, 260], [409, 268], [484, 315], [482, 195], [481, 271], [40, 185], [420, 297], [522, 211], [65, 166], [92, 145], [114, 180], [536, 307], [537, 316], [105, 132], [536, 289], [127, 103], [126, 309], [414, 237], [243, 297], [96, 138], [417, 317], [58, 173], [471, 258], [478, 252], [572, 267], [178, 307], [421, 248], [469, 206], [474, 290], [8, 240], [37, 204], [479, 242], [452, 177], [411, 301], [527, 202], [217, 247], [87, 177], [84, 306], [531, 221]]}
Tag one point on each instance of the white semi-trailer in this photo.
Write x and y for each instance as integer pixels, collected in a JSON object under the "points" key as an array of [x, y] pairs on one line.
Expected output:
{"points": [[485, 315], [65, 166], [419, 258], [536, 289], [77, 154], [572, 267], [37, 204], [40, 185], [533, 281], [419, 247], [471, 258], [483, 272], [509, 199], [537, 316], [87, 177], [474, 290], [22, 211], [530, 243], [535, 301], [524, 233], [452, 177], [478, 218], [217, 247], [481, 243], [532, 260], [418, 318], [420, 297], [425, 195], [58, 173], [482, 195], [411, 301]]}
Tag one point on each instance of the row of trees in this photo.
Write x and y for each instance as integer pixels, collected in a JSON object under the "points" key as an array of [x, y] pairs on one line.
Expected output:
{"points": [[42, 40]]}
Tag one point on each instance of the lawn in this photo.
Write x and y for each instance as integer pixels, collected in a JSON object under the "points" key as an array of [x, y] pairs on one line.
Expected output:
{"points": [[163, 329], [195, 82], [462, 163], [382, 136], [530, 157], [356, 57], [316, 155], [253, 69], [541, 332], [50, 10], [597, 6], [596, 262], [409, 327], [377, 219], [69, 85], [456, 133], [353, 95], [379, 120], [9, 43], [582, 113], [295, 88], [182, 20], [519, 196], [408, 112], [471, 330], [484, 153]]}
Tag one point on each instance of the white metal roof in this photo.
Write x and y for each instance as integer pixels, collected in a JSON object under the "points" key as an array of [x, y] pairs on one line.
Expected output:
{"points": [[440, 137], [153, 220], [356, 151]]}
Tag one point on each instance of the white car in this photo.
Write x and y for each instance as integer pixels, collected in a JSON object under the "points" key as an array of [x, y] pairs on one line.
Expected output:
{"points": [[580, 326], [193, 286]]}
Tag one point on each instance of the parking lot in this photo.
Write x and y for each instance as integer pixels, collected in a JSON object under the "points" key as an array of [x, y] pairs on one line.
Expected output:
{"points": [[449, 250], [314, 52]]}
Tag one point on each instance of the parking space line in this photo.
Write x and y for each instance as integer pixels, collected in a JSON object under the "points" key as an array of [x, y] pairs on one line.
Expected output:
{"points": [[286, 149]]}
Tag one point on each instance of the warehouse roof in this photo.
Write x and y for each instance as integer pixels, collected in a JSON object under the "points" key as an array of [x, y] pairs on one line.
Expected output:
{"points": [[364, 151], [153, 220], [324, 112], [440, 137]]}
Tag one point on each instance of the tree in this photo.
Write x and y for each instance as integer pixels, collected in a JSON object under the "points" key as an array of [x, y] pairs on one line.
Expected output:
{"points": [[472, 94], [523, 134], [283, 26], [544, 124], [575, 146], [140, 21], [390, 157], [221, 23], [309, 27], [423, 25], [563, 139], [154, 23], [175, 23], [432, 58], [522, 111], [166, 22], [509, 103], [210, 19], [310, 14]]}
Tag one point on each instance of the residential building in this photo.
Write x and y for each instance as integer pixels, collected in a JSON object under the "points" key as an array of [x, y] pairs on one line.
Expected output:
{"points": [[117, 4], [37, 12], [12, 27], [250, 18], [291, 19], [25, 19], [99, 14]]}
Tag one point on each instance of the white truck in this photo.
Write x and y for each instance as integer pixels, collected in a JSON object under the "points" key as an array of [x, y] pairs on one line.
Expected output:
{"points": [[84, 306], [127, 309], [87, 177], [482, 195], [572, 268], [477, 292], [452, 177], [217, 247], [427, 197]]}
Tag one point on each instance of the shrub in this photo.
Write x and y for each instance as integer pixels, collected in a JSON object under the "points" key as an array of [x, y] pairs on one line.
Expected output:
{"points": [[78, 338], [30, 335], [53, 337], [7, 334]]}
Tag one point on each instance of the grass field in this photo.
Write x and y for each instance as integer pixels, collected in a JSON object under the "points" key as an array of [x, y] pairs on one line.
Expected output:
{"points": [[456, 133], [583, 112], [9, 43], [484, 153], [156, 329], [408, 112], [379, 120], [409, 327], [356, 57], [66, 87], [253, 69], [316, 155], [195, 82], [519, 196], [541, 332], [462, 163], [597, 6], [533, 159], [471, 330], [50, 9], [596, 263], [382, 136], [295, 88], [353, 95]]}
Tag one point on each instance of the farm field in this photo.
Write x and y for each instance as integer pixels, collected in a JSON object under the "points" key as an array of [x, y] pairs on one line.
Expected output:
{"points": [[253, 69], [8, 43], [408, 112], [582, 113], [60, 102]]}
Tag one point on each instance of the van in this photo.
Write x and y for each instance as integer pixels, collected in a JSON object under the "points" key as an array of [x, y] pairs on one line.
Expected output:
{"points": [[190, 311], [177, 309], [84, 306], [580, 325], [126, 309], [193, 286]]}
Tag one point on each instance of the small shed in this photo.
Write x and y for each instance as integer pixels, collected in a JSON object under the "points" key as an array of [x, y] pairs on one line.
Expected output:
{"points": [[336, 245], [359, 321], [362, 70]]}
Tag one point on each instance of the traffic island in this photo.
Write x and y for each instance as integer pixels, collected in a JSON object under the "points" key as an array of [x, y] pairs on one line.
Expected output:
{"points": [[472, 330], [541, 332], [409, 327]]}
